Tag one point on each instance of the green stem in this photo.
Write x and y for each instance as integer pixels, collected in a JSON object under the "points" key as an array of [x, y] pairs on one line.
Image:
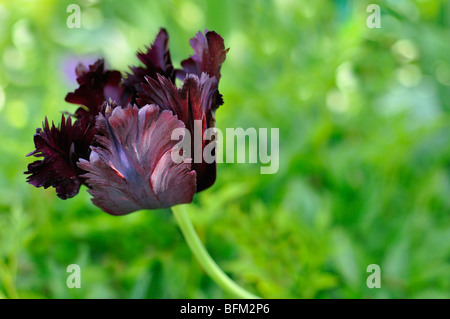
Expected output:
{"points": [[205, 260]]}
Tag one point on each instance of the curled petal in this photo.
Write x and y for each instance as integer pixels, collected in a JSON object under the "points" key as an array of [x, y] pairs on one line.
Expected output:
{"points": [[61, 148], [96, 86], [209, 54], [156, 60], [133, 169], [196, 100]]}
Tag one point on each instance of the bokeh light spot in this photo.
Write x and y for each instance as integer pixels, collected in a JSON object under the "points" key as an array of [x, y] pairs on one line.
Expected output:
{"points": [[16, 113]]}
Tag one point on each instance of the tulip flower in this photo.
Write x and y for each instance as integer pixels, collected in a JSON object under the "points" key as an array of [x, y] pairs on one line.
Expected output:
{"points": [[67, 148], [118, 142]]}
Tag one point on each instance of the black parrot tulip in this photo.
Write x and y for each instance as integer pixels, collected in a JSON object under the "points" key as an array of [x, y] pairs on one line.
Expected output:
{"points": [[118, 142]]}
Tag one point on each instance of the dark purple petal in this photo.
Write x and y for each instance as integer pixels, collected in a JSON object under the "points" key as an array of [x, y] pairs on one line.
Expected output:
{"points": [[195, 100], [133, 169], [156, 60], [200, 99], [209, 54], [162, 92], [97, 85], [61, 148]]}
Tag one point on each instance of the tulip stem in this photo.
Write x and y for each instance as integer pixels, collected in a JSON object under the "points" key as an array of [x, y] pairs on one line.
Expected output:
{"points": [[203, 257]]}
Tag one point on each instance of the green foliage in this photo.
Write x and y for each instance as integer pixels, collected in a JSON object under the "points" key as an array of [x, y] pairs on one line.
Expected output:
{"points": [[364, 152]]}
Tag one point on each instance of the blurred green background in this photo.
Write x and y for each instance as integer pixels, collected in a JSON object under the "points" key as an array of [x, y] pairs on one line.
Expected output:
{"points": [[364, 152]]}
